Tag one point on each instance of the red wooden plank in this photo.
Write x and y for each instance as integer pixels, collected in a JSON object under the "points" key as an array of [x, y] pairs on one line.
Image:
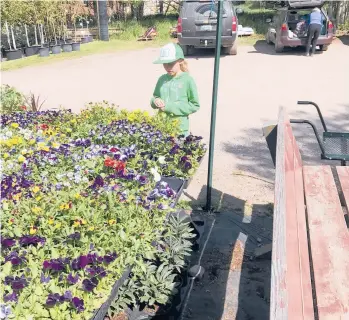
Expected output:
{"points": [[343, 174], [329, 240], [291, 295], [298, 253]]}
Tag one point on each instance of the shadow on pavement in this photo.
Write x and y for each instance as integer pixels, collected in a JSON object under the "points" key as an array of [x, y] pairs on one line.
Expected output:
{"points": [[234, 286], [262, 47], [344, 39], [254, 155], [198, 54]]}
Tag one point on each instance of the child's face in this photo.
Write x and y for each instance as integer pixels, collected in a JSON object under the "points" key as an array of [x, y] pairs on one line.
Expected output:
{"points": [[172, 68]]}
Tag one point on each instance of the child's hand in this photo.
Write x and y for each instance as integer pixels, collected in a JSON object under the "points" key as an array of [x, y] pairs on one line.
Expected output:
{"points": [[160, 104]]}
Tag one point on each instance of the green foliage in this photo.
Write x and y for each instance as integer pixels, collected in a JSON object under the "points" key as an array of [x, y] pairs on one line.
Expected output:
{"points": [[132, 29], [255, 16], [154, 283], [11, 100]]}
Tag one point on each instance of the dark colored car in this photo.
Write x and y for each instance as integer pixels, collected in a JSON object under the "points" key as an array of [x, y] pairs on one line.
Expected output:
{"points": [[284, 30], [197, 26]]}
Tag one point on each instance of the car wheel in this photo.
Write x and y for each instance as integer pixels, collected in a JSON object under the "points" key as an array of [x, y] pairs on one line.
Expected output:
{"points": [[278, 48], [267, 39], [185, 49], [233, 50], [324, 47]]}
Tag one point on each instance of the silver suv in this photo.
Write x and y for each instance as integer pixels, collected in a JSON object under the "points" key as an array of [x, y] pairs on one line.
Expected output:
{"points": [[197, 23]]}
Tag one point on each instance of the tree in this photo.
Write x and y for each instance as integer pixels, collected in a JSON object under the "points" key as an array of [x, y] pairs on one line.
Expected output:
{"points": [[11, 14]]}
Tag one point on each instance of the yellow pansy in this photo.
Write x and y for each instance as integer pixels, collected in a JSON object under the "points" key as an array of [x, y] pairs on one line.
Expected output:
{"points": [[58, 225], [76, 223], [33, 230], [50, 221], [24, 151], [38, 198], [21, 159], [77, 196], [14, 125], [68, 130], [36, 210], [36, 189], [112, 221], [91, 228], [83, 221], [6, 155], [64, 206], [16, 196], [32, 141], [55, 145]]}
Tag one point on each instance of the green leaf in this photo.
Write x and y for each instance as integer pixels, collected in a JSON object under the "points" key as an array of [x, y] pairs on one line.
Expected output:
{"points": [[6, 269], [38, 291], [17, 232]]}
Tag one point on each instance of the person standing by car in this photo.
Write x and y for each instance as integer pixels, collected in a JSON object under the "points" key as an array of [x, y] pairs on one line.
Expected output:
{"points": [[175, 93], [314, 30]]}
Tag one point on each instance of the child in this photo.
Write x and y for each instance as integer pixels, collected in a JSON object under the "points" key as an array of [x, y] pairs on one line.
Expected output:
{"points": [[175, 92]]}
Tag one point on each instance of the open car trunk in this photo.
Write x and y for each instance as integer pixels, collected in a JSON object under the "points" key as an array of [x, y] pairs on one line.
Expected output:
{"points": [[298, 23]]}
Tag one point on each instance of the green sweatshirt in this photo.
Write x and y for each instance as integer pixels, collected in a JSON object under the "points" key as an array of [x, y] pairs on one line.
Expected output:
{"points": [[180, 96]]}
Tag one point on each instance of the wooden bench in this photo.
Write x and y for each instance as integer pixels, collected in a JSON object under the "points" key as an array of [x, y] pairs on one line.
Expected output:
{"points": [[310, 250]]}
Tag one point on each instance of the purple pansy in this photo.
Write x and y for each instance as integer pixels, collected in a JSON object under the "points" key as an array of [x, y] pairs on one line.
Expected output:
{"points": [[89, 284], [75, 236], [96, 271], [78, 304], [7, 242], [108, 258], [44, 279], [72, 279], [79, 263], [53, 299], [15, 259], [68, 296], [16, 283], [11, 297], [31, 240]]}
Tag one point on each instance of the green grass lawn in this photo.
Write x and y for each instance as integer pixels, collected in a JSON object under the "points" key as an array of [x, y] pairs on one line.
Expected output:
{"points": [[85, 49]]}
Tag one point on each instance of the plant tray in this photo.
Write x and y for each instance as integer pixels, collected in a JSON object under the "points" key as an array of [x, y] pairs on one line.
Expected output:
{"points": [[103, 310]]}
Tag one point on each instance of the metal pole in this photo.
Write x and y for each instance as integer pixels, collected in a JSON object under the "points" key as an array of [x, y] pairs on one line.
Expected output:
{"points": [[214, 104]]}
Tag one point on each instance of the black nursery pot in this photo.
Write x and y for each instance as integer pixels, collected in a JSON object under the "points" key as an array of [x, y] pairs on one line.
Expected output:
{"points": [[84, 39], [56, 49], [90, 38], [67, 47], [31, 51], [44, 51], [76, 46], [14, 54]]}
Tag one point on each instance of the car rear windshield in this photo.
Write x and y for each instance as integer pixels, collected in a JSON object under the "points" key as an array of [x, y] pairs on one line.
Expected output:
{"points": [[204, 10]]}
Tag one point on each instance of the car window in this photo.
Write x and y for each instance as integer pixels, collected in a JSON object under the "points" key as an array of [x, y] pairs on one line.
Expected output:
{"points": [[206, 11]]}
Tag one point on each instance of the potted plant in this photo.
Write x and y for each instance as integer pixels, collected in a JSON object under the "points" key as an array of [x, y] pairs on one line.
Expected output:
{"points": [[75, 10], [40, 14], [66, 45], [27, 18], [53, 10], [10, 13]]}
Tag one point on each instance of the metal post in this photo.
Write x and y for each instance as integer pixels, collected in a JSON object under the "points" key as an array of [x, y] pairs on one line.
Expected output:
{"points": [[214, 104]]}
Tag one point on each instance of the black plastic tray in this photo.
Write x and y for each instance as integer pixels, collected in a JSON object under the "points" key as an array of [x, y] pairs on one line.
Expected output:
{"points": [[103, 310]]}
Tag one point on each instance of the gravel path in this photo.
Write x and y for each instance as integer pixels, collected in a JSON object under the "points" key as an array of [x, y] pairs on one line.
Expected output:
{"points": [[252, 86]]}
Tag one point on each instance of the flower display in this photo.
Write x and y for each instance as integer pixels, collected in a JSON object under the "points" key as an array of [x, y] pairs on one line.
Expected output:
{"points": [[82, 199]]}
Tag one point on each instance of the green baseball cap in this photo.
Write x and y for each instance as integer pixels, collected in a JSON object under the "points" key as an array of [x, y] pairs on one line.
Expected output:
{"points": [[170, 53]]}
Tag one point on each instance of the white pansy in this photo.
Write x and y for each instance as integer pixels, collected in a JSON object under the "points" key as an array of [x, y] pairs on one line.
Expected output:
{"points": [[156, 174], [161, 159]]}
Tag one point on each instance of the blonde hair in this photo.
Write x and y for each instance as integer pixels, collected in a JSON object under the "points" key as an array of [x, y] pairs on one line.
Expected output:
{"points": [[184, 65]]}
